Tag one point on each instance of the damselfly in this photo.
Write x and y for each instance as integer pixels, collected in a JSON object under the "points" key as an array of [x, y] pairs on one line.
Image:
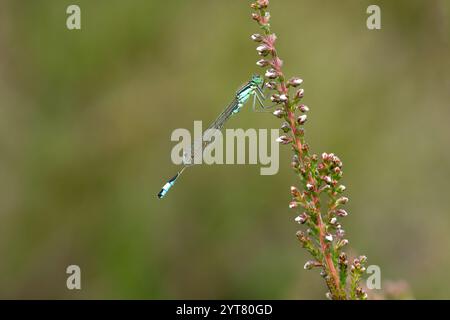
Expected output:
{"points": [[254, 88]]}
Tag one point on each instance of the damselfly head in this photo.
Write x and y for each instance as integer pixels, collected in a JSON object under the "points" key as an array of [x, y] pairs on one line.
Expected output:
{"points": [[257, 79]]}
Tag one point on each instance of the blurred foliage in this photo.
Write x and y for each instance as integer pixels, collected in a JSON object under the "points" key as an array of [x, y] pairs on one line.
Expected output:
{"points": [[85, 124]]}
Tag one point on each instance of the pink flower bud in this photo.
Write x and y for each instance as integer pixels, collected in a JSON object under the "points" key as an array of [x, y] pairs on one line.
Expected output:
{"points": [[310, 264], [263, 3], [299, 94], [279, 113], [341, 213], [327, 179], [295, 82], [283, 140], [275, 98], [257, 37], [271, 74], [301, 219], [340, 232], [294, 191], [342, 200], [303, 108], [262, 63], [271, 85], [263, 50], [302, 119]]}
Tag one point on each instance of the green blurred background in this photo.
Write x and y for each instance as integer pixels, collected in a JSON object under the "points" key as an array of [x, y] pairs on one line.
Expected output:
{"points": [[85, 124]]}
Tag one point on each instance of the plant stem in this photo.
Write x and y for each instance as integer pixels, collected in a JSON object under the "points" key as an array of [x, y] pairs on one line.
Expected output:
{"points": [[324, 238]]}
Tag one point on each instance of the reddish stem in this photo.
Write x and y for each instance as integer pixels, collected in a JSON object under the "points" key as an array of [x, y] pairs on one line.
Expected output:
{"points": [[336, 291]]}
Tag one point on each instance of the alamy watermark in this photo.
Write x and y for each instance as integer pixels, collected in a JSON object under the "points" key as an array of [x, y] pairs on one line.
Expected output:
{"points": [[74, 279], [208, 147], [374, 20], [73, 21]]}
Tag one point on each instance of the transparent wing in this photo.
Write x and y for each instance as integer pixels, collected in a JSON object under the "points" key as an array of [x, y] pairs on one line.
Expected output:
{"points": [[197, 146]]}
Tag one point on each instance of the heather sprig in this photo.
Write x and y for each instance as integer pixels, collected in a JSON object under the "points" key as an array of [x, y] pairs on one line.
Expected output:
{"points": [[324, 237]]}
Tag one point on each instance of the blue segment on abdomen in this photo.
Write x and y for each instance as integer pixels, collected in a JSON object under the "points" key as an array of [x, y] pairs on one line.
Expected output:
{"points": [[165, 189]]}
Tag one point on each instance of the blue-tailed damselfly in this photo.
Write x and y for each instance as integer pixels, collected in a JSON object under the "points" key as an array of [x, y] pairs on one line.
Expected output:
{"points": [[253, 87]]}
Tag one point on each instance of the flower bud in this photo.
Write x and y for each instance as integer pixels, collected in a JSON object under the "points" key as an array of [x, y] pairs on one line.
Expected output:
{"points": [[341, 213], [301, 219], [263, 3], [257, 37], [283, 98], [327, 179], [329, 237], [302, 237], [295, 82], [285, 127], [342, 200], [271, 85], [341, 243], [343, 258], [311, 264], [293, 204], [302, 119], [262, 63], [309, 186], [265, 20], [361, 294], [341, 188], [303, 108], [271, 74], [336, 160], [340, 233], [299, 94], [263, 50], [294, 192], [279, 113], [283, 140], [275, 98]]}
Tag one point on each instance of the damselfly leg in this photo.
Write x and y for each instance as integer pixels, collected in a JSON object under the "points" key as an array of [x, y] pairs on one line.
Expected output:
{"points": [[258, 96]]}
